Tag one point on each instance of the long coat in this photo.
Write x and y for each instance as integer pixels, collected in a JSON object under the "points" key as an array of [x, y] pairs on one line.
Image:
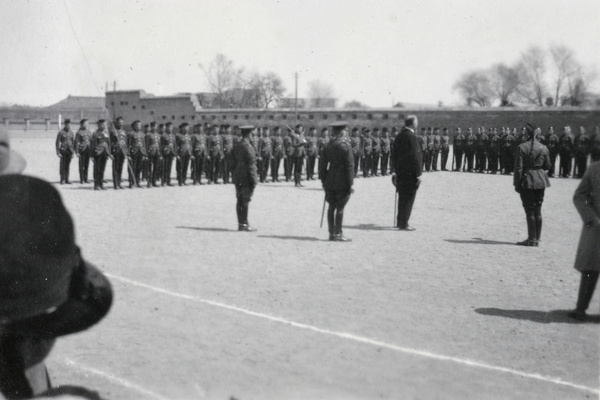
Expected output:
{"points": [[243, 164], [337, 165], [407, 157], [587, 202]]}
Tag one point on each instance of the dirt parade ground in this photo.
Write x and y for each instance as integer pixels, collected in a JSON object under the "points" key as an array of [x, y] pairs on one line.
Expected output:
{"points": [[453, 310]]}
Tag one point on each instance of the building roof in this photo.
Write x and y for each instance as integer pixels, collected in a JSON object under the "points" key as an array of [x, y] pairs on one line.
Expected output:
{"points": [[79, 103]]}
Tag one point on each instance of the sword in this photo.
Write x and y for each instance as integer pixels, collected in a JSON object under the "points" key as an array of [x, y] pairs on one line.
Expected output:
{"points": [[323, 212]]}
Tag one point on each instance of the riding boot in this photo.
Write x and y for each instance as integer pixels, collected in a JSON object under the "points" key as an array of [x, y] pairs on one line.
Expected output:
{"points": [[531, 232]]}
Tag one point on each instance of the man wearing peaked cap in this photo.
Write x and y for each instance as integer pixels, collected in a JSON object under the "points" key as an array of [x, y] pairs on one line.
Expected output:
{"points": [[11, 162], [337, 175], [245, 176], [47, 289], [64, 150]]}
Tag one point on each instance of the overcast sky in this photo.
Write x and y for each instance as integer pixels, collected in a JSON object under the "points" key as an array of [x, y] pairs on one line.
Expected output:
{"points": [[376, 52]]}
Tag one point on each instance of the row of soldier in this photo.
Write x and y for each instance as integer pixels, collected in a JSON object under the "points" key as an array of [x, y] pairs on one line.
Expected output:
{"points": [[494, 151], [148, 152]]}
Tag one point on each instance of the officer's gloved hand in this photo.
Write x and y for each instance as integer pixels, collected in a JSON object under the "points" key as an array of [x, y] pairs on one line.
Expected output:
{"points": [[394, 179]]}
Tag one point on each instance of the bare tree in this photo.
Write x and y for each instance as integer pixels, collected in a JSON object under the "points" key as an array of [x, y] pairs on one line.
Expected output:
{"points": [[267, 88], [474, 86], [566, 66], [503, 81], [579, 84], [221, 75], [321, 94], [532, 75]]}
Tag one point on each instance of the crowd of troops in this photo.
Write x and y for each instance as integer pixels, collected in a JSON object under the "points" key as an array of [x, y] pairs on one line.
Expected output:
{"points": [[203, 153], [493, 151]]}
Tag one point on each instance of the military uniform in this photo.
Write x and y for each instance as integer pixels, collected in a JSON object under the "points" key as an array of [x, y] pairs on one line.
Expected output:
{"points": [[299, 145], [278, 155], [245, 177], [64, 150], [265, 146], [566, 144], [356, 145], [100, 150], [509, 153], [155, 158], [376, 152], [530, 181], [82, 149], [168, 145], [386, 145], [138, 154], [435, 151], [423, 144], [445, 149], [366, 153], [337, 176], [184, 153], [458, 150], [120, 151], [553, 147], [200, 155], [471, 142], [228, 143], [582, 145], [312, 151], [215, 149], [288, 161], [429, 154], [482, 149], [494, 152]]}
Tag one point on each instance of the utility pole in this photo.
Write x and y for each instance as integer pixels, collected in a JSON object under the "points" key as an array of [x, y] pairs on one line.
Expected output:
{"points": [[296, 96]]}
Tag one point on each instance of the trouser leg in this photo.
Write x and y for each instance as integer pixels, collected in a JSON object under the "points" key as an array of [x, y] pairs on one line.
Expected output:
{"points": [[339, 219], [589, 279], [537, 213], [331, 219], [405, 205]]}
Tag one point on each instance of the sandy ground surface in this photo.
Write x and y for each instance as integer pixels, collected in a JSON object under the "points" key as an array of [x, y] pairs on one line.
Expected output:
{"points": [[453, 310]]}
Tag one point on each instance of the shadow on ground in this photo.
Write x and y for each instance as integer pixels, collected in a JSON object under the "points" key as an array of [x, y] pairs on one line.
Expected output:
{"points": [[543, 317], [197, 228], [370, 227], [302, 238], [479, 241]]}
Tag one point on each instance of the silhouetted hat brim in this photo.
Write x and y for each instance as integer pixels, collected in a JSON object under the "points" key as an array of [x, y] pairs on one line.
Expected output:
{"points": [[90, 299], [16, 164]]}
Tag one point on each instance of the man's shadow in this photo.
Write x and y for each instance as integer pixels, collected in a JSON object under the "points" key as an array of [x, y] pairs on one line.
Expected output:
{"points": [[479, 241], [370, 227], [542, 317], [196, 228]]}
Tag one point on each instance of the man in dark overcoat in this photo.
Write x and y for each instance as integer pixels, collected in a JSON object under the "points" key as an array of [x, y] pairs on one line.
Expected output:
{"points": [[245, 176]]}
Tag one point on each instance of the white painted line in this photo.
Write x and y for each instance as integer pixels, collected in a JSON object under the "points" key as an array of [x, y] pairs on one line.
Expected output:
{"points": [[361, 339], [116, 379]]}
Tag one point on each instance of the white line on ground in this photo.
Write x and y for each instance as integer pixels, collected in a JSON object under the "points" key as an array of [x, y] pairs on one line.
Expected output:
{"points": [[361, 339], [116, 379]]}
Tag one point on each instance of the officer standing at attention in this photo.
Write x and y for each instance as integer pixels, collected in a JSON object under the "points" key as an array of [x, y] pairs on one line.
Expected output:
{"points": [[385, 151], [137, 152], [215, 146], [355, 143], [277, 153], [366, 152], [376, 154], [445, 148], [184, 152], [532, 159], [312, 151], [64, 150], [407, 161], [245, 176], [299, 145], [430, 146], [566, 143], [337, 176], [437, 146], [227, 153], [265, 153], [168, 145], [423, 143], [82, 149], [553, 147], [154, 156], [100, 149], [471, 142], [321, 144], [200, 154], [509, 152], [119, 150], [288, 152], [582, 150], [458, 149]]}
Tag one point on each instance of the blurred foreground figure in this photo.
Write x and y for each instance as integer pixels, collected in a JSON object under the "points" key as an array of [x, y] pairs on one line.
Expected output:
{"points": [[245, 176], [532, 160], [336, 169], [47, 289], [11, 162], [587, 261]]}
